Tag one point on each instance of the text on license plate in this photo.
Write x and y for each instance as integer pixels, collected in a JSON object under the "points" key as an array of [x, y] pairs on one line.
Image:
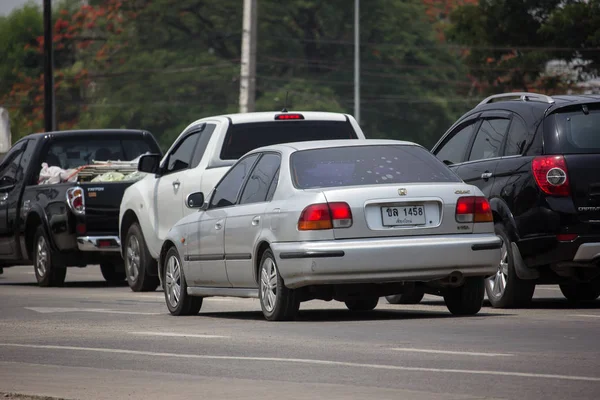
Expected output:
{"points": [[405, 215]]}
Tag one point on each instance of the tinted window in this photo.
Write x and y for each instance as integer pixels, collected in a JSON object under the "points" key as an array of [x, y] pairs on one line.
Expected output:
{"points": [[181, 158], [454, 149], [205, 136], [367, 165], [73, 152], [227, 190], [517, 134], [10, 170], [489, 139], [242, 138], [258, 185], [578, 133]]}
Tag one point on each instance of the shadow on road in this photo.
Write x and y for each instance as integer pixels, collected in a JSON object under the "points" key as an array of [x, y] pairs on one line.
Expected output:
{"points": [[538, 304], [75, 284]]}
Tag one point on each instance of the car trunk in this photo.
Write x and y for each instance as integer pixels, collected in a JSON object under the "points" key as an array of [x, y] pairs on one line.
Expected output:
{"points": [[401, 210], [584, 177], [102, 203]]}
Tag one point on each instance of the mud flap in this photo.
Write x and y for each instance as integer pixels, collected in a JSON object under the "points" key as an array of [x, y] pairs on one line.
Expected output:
{"points": [[520, 268]]}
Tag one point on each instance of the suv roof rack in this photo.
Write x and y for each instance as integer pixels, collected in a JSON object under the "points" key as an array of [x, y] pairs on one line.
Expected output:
{"points": [[523, 96]]}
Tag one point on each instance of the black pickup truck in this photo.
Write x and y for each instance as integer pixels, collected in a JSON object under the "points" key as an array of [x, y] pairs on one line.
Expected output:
{"points": [[71, 219]]}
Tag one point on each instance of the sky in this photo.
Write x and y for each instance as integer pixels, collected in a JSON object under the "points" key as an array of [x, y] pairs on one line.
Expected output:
{"points": [[6, 6]]}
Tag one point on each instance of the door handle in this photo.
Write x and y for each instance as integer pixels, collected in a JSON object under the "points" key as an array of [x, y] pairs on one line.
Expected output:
{"points": [[218, 225], [176, 184], [486, 175], [255, 221]]}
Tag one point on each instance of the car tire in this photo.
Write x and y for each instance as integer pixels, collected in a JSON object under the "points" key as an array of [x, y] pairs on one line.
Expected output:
{"points": [[466, 299], [278, 303], [412, 297], [138, 262], [179, 302], [504, 289], [362, 303], [581, 292], [112, 273], [47, 272]]}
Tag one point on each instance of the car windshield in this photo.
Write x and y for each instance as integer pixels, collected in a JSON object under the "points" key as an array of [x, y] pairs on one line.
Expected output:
{"points": [[367, 165], [73, 152], [242, 138]]}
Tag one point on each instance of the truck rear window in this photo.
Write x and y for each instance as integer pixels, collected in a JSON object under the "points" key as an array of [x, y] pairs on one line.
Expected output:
{"points": [[367, 165], [242, 138], [73, 152], [579, 133]]}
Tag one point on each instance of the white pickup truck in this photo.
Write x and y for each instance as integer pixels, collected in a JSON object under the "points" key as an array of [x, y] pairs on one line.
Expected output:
{"points": [[197, 160]]}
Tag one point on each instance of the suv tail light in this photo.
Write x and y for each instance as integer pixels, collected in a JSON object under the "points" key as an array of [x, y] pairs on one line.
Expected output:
{"points": [[551, 176], [325, 216], [76, 200], [473, 209]]}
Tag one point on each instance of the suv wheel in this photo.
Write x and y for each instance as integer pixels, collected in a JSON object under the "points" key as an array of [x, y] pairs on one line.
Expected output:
{"points": [[47, 273], [138, 262], [504, 289], [466, 299], [112, 273], [578, 292]]}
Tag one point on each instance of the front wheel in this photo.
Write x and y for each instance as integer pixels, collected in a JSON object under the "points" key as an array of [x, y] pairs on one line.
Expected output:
{"points": [[504, 289], [175, 287], [47, 273], [466, 299], [581, 292], [138, 262], [362, 303], [278, 303], [112, 273]]}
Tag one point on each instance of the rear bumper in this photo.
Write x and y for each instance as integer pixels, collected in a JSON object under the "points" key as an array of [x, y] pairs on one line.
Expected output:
{"points": [[99, 243], [386, 259], [547, 250]]}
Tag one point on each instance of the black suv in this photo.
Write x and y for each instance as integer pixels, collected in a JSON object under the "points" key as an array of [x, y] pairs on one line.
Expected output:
{"points": [[537, 158]]}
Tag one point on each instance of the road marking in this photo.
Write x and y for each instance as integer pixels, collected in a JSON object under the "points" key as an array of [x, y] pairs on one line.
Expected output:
{"points": [[586, 315], [191, 335], [460, 353], [50, 310], [554, 289], [309, 361]]}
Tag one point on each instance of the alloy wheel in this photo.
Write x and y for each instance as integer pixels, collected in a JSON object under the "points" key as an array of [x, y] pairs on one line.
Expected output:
{"points": [[173, 281], [133, 258], [497, 283], [41, 263], [268, 284]]}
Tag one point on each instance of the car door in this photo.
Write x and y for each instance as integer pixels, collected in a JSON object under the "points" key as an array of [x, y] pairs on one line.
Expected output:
{"points": [[168, 195], [206, 254], [452, 150], [11, 183], [485, 150], [245, 221]]}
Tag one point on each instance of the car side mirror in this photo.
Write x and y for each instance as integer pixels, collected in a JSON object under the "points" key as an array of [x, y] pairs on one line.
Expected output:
{"points": [[195, 200], [149, 163]]}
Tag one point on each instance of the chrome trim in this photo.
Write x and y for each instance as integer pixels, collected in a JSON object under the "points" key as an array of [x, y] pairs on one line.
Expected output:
{"points": [[225, 292], [90, 243], [484, 159]]}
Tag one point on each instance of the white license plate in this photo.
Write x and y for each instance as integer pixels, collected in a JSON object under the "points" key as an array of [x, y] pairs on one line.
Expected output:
{"points": [[405, 215]]}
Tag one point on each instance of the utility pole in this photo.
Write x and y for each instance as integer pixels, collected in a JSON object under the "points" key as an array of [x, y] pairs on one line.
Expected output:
{"points": [[248, 67], [356, 61], [49, 116]]}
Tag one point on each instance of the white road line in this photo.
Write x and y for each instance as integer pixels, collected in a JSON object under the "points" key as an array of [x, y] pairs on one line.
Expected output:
{"points": [[191, 335], [554, 289], [310, 361], [51, 310], [586, 315], [460, 353]]}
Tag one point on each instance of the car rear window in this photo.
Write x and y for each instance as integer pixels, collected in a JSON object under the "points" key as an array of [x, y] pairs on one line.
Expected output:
{"points": [[73, 152], [578, 133], [242, 138], [367, 165]]}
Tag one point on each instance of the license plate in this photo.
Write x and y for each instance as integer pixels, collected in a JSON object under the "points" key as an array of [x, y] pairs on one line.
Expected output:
{"points": [[404, 215]]}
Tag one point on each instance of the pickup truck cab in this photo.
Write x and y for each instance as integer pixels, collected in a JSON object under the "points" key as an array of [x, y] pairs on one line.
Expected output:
{"points": [[196, 161], [72, 219]]}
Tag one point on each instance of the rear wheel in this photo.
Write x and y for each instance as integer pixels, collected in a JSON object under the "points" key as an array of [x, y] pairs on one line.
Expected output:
{"points": [[504, 289], [112, 273], [47, 273], [578, 292], [175, 287], [466, 299], [138, 262], [362, 303], [413, 296], [278, 303]]}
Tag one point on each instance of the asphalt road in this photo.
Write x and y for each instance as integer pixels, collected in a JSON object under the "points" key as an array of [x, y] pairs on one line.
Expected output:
{"points": [[89, 340]]}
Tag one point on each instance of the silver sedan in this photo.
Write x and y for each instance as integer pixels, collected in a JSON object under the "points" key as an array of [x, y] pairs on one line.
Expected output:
{"points": [[343, 220]]}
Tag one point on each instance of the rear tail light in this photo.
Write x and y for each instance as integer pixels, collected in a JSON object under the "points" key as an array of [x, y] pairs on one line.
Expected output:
{"points": [[76, 200], [551, 176], [566, 237], [325, 216], [473, 209], [288, 116]]}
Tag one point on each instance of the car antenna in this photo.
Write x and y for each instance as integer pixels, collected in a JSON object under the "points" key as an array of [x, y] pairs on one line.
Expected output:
{"points": [[286, 100]]}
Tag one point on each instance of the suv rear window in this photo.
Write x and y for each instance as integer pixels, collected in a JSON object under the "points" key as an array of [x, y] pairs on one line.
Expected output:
{"points": [[367, 165], [242, 138], [578, 133]]}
